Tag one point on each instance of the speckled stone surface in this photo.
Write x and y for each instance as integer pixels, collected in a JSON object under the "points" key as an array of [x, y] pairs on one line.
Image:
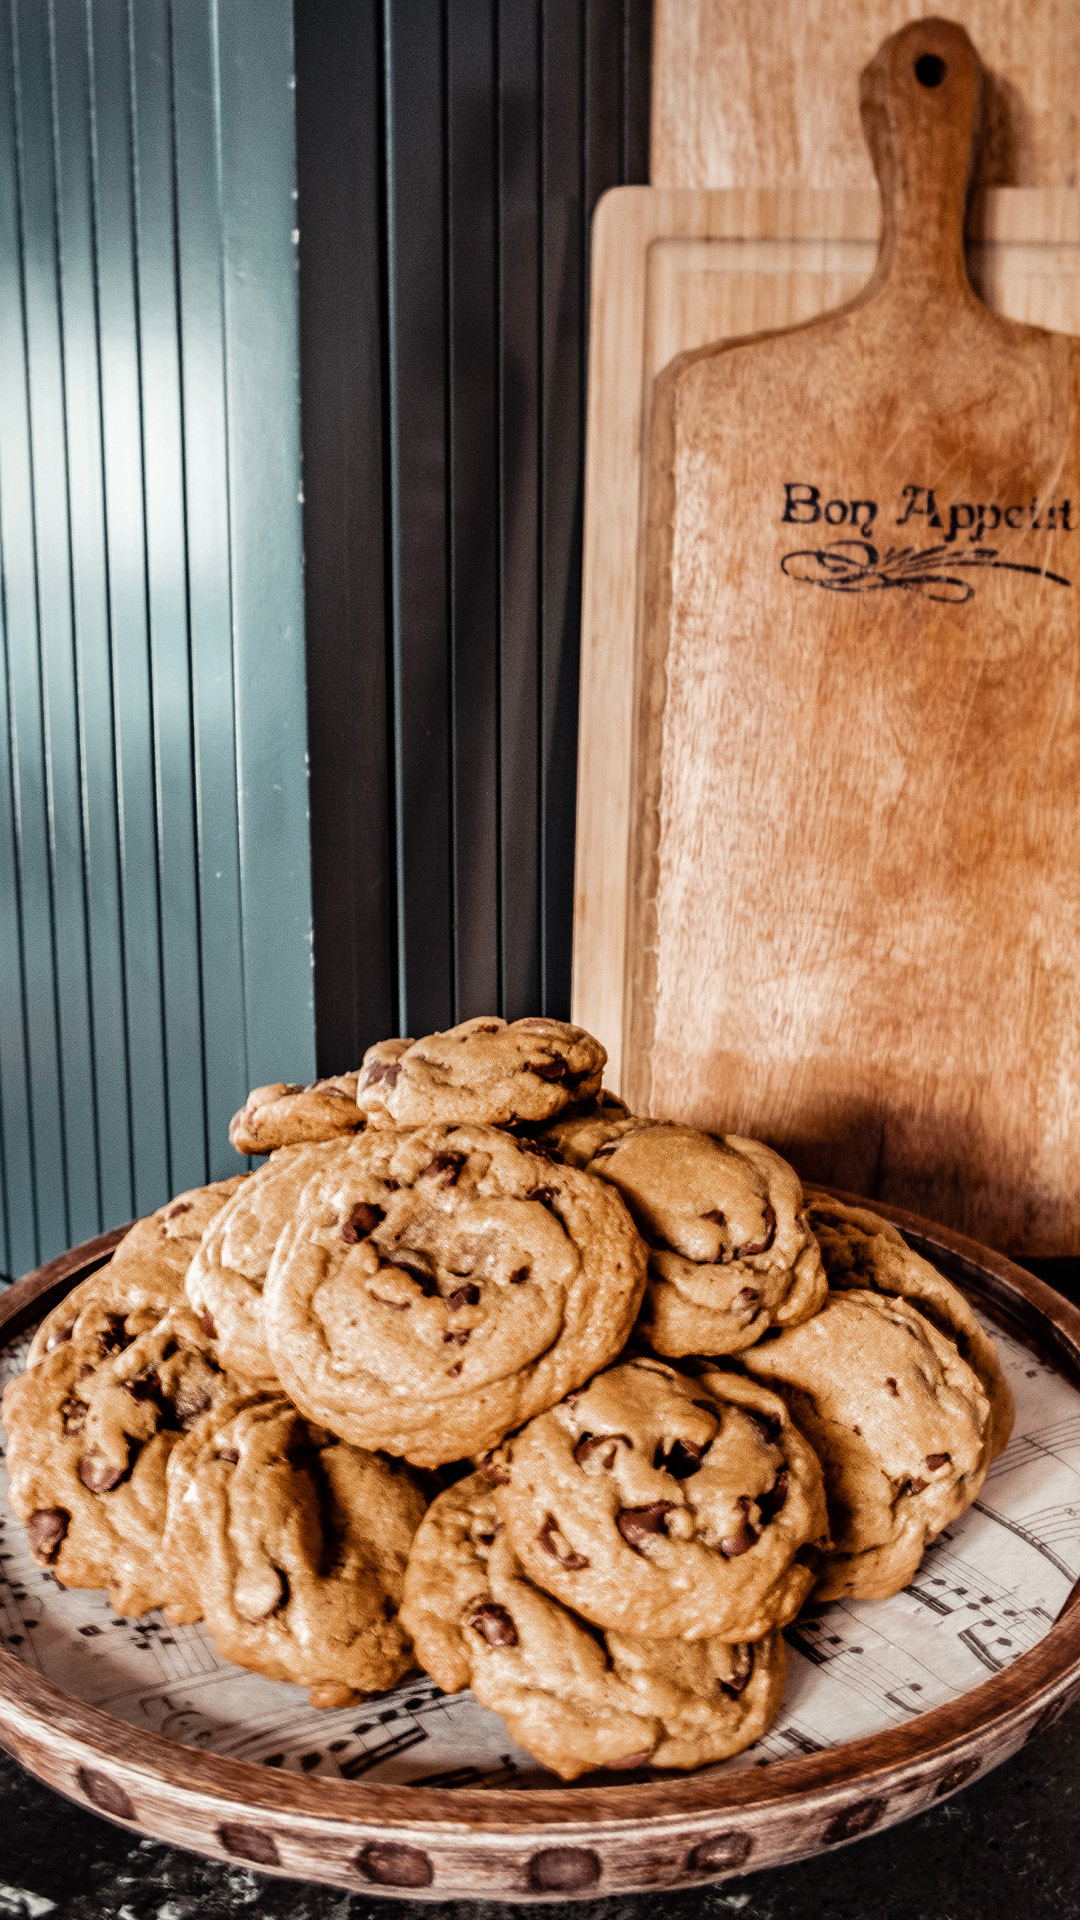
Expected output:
{"points": [[1007, 1848]]}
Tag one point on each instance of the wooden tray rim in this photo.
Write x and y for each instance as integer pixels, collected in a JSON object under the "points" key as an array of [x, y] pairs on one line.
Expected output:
{"points": [[30, 1704]]}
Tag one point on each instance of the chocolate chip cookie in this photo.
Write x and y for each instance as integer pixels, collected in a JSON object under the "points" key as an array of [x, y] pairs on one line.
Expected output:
{"points": [[900, 1423], [485, 1071], [436, 1287], [296, 1544], [661, 1505], [289, 1116], [860, 1249], [575, 1698], [225, 1280], [144, 1278], [730, 1250], [87, 1451]]}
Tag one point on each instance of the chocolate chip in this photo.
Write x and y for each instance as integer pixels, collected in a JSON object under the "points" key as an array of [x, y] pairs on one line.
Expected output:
{"points": [[463, 1297], [747, 1296], [73, 1414], [548, 1069], [936, 1460], [98, 1475], [915, 1486], [716, 1217], [637, 1523], [519, 1275], [448, 1165], [630, 1760], [736, 1684], [745, 1535], [892, 1386], [682, 1459], [552, 1542], [362, 1220], [458, 1339], [770, 1504], [181, 1206], [189, 1401], [452, 1372], [492, 1471], [545, 1195], [762, 1245], [604, 1444], [228, 1454], [489, 1026], [495, 1624], [387, 1070], [114, 1336], [46, 1530], [59, 1339], [206, 1322]]}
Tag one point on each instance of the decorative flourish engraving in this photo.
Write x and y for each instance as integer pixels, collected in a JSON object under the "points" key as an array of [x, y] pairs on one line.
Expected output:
{"points": [[854, 566]]}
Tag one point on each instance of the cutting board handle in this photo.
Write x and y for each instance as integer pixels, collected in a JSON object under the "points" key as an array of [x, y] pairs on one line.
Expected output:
{"points": [[919, 99]]}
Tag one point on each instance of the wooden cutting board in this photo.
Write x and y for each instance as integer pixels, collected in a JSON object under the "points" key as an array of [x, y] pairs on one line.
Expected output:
{"points": [[853, 912]]}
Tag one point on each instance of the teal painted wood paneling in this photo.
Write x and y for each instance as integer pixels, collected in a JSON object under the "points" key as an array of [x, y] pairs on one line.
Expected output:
{"points": [[154, 867]]}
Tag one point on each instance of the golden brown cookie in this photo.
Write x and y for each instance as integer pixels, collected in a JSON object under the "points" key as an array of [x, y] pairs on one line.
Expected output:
{"points": [[296, 1544], [436, 1287], [484, 1071], [87, 1450], [730, 1250], [225, 1280], [288, 1116], [900, 1423], [660, 1505], [575, 1698], [144, 1278], [860, 1249]]}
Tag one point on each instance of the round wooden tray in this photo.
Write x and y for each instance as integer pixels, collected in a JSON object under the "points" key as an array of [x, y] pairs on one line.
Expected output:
{"points": [[536, 1845]]}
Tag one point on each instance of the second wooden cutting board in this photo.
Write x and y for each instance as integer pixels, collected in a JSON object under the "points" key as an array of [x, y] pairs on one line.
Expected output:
{"points": [[854, 917]]}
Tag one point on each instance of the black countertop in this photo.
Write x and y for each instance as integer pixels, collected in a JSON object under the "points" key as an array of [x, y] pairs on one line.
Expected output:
{"points": [[1006, 1848]]}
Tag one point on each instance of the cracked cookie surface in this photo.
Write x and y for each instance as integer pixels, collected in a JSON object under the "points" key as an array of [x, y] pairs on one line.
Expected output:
{"points": [[576, 1698], [730, 1251], [87, 1450], [144, 1277], [226, 1278], [298, 1546], [282, 1115], [486, 1071], [661, 1505], [900, 1423], [860, 1249], [436, 1287]]}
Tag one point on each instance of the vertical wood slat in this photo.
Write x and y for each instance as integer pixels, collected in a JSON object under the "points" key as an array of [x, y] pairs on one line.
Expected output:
{"points": [[498, 123], [155, 906]]}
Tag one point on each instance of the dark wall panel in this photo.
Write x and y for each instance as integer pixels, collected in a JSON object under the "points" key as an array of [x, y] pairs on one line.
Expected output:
{"points": [[450, 155]]}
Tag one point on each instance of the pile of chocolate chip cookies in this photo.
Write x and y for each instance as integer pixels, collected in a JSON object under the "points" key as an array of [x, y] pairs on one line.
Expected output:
{"points": [[481, 1371]]}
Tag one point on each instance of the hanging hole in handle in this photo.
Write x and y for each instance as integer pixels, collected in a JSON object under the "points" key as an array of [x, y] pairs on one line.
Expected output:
{"points": [[930, 70]]}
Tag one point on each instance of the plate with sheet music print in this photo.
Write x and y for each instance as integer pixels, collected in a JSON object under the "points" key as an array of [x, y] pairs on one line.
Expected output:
{"points": [[890, 1705]]}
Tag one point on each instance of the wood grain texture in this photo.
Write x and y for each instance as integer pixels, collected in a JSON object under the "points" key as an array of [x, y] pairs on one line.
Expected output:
{"points": [[767, 96], [908, 1030], [524, 1846]]}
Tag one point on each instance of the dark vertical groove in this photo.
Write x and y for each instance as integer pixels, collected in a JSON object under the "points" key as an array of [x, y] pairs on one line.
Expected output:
{"points": [[84, 823], [192, 744], [133, 150], [94, 179], [498, 125]]}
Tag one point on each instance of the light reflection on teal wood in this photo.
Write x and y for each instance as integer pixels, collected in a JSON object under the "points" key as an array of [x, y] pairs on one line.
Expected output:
{"points": [[90, 604], [264, 413], [154, 889]]}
